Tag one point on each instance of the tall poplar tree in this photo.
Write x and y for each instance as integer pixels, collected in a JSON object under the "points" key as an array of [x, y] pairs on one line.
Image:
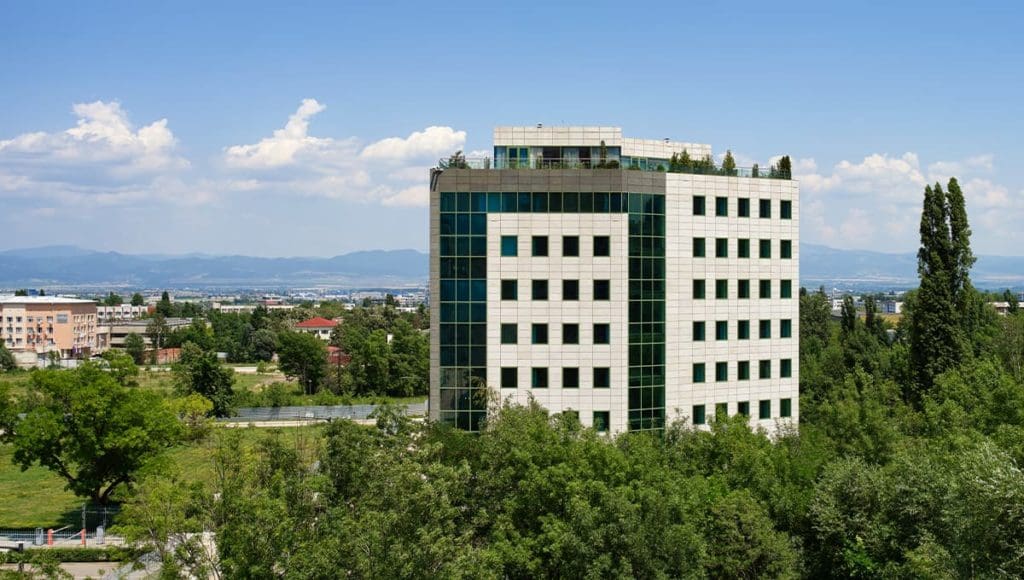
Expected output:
{"points": [[941, 319]]}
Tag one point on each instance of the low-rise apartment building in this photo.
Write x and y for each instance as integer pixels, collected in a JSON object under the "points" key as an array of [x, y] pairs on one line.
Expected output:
{"points": [[33, 326]]}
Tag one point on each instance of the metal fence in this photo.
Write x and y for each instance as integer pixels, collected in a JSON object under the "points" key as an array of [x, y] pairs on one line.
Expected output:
{"points": [[65, 537], [313, 413]]}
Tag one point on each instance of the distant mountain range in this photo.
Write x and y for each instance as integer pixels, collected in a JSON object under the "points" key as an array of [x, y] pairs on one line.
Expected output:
{"points": [[71, 266]]}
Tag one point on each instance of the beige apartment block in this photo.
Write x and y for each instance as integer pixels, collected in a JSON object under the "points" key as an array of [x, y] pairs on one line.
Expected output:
{"points": [[44, 324]]}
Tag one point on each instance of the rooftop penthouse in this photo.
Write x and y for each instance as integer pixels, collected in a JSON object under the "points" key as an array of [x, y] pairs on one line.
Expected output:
{"points": [[601, 148]]}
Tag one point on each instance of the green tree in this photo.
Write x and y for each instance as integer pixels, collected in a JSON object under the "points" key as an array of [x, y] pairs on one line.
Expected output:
{"points": [[7, 361], [90, 430], [410, 361], [157, 331], [848, 316], [21, 292], [164, 307], [198, 371], [135, 346], [122, 367], [304, 357], [264, 344], [728, 163], [743, 543], [1012, 305], [938, 340], [113, 300], [138, 300]]}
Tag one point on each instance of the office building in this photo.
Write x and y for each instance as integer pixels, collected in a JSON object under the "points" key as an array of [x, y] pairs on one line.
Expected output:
{"points": [[606, 276]]}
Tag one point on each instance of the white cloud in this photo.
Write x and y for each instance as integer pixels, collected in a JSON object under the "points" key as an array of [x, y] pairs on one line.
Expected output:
{"points": [[875, 203], [292, 161], [431, 142], [288, 145], [104, 158], [103, 134]]}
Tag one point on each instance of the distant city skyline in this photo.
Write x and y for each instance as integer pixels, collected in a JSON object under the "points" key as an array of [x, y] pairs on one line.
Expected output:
{"points": [[309, 130]]}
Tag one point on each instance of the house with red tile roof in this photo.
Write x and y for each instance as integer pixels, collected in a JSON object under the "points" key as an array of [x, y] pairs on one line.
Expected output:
{"points": [[319, 326]]}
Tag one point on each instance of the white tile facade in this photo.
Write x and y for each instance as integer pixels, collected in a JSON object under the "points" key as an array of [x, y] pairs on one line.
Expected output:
{"points": [[555, 311], [682, 309]]}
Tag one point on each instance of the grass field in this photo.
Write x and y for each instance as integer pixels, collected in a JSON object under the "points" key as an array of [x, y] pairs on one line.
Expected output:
{"points": [[37, 498]]}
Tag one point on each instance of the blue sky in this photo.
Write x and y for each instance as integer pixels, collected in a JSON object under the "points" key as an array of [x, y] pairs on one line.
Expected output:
{"points": [[307, 128]]}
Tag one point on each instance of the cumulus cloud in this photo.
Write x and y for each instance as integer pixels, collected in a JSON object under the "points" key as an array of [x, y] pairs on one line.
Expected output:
{"points": [[288, 145], [293, 161], [103, 158], [431, 142], [875, 202]]}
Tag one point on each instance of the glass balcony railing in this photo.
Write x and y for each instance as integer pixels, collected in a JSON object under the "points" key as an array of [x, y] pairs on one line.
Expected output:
{"points": [[551, 163]]}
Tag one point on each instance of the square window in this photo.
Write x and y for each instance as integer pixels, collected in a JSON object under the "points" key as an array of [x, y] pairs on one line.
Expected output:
{"points": [[570, 334], [786, 249], [743, 370], [765, 329], [765, 289], [721, 206], [785, 408], [602, 246], [764, 409], [539, 378], [570, 246], [698, 331], [698, 415], [602, 290], [539, 290], [570, 289], [698, 205], [721, 372], [786, 289], [509, 377], [743, 247], [786, 209], [743, 207], [698, 247], [722, 330], [570, 378], [786, 368], [721, 247], [743, 288], [510, 290], [698, 289], [509, 333], [743, 329], [786, 328], [602, 421], [509, 246], [764, 369], [539, 334], [602, 377], [540, 246], [698, 372], [743, 408], [764, 208], [765, 248], [721, 289], [721, 410], [602, 333]]}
